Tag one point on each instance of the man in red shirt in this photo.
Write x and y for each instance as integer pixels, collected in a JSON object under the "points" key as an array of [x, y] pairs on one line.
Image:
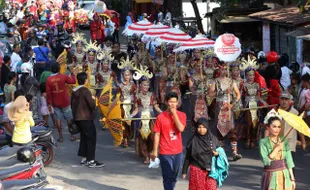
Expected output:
{"points": [[58, 98], [168, 130]]}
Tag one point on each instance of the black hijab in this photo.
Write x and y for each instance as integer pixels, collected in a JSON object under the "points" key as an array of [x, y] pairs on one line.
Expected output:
{"points": [[201, 147]]}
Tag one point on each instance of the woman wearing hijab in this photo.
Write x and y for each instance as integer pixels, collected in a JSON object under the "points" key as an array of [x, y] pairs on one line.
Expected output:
{"points": [[200, 149]]}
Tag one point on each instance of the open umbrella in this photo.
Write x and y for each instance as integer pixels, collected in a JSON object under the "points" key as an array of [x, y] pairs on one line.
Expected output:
{"points": [[113, 121], [100, 7], [155, 31], [137, 28], [295, 122], [175, 36], [196, 43]]}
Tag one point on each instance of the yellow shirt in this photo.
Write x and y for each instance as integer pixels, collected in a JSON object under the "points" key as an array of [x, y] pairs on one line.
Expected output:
{"points": [[22, 133]]}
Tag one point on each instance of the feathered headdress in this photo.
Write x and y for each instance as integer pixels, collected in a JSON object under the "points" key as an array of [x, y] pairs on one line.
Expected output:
{"points": [[91, 47], [142, 73], [272, 113], [126, 64], [249, 64], [104, 55], [78, 38]]}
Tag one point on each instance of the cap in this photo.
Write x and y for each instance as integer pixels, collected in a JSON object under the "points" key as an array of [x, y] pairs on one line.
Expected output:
{"points": [[285, 95]]}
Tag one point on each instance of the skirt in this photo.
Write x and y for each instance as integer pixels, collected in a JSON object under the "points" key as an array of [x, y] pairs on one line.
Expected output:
{"points": [[199, 180]]}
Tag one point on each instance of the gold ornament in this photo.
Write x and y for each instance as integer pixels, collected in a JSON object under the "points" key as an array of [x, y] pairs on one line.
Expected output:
{"points": [[91, 47], [143, 71], [250, 63], [126, 64], [78, 38], [104, 55]]}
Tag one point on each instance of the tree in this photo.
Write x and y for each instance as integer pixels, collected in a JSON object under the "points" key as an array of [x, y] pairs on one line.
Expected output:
{"points": [[196, 10]]}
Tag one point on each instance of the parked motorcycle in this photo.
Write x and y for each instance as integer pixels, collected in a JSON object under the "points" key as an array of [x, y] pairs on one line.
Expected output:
{"points": [[23, 184]]}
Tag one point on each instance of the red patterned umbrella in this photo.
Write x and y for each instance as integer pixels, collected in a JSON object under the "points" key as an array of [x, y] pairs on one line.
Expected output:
{"points": [[199, 42], [155, 32], [138, 28], [175, 36]]}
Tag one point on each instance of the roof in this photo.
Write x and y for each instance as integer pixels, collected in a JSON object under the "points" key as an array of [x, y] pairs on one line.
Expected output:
{"points": [[289, 16], [237, 19], [302, 33]]}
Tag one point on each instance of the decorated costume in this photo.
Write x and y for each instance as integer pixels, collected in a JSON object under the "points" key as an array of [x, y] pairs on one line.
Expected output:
{"points": [[91, 65], [97, 30]]}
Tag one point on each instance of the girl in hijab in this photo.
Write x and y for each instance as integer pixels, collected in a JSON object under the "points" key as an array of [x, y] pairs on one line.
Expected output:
{"points": [[200, 149]]}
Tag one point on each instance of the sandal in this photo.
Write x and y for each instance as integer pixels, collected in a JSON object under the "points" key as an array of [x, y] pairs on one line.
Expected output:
{"points": [[147, 160], [74, 138], [60, 140]]}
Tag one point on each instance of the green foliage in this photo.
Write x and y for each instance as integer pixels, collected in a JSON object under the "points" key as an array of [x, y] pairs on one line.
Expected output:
{"points": [[2, 5]]}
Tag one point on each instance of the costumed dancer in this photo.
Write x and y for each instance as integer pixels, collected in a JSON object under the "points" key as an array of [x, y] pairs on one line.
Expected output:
{"points": [[127, 88], [91, 65], [78, 58], [251, 92], [157, 62], [197, 85], [145, 104], [224, 121], [97, 30]]}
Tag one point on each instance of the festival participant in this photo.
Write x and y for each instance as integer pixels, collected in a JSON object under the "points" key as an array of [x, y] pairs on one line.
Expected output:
{"points": [[91, 65], [68, 24], [276, 157], [97, 30], [127, 88], [145, 105], [251, 91], [197, 85], [15, 57], [222, 89], [78, 58], [199, 152], [168, 130], [118, 55], [157, 63]]}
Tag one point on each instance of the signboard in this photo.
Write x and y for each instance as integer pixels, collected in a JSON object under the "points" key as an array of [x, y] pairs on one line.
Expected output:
{"points": [[227, 47]]}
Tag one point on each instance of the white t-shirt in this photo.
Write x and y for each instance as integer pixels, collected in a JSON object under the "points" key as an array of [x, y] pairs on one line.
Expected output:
{"points": [[15, 58], [305, 70], [286, 77], [27, 66]]}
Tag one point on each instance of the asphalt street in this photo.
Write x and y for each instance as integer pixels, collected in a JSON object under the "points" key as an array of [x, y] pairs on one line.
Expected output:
{"points": [[124, 170]]}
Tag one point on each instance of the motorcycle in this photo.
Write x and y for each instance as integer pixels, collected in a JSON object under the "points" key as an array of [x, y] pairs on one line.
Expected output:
{"points": [[24, 184], [13, 169], [42, 139]]}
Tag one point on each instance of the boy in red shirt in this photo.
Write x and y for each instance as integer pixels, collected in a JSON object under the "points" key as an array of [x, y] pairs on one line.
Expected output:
{"points": [[168, 130], [58, 98]]}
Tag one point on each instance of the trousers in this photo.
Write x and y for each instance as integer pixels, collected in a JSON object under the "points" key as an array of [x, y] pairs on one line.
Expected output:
{"points": [[170, 167], [88, 139]]}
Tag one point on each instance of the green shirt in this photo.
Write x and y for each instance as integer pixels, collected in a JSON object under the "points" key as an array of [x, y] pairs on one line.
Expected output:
{"points": [[265, 148], [44, 76]]}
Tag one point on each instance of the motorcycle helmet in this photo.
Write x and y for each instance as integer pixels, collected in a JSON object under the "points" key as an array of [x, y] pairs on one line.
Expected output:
{"points": [[26, 154], [272, 57]]}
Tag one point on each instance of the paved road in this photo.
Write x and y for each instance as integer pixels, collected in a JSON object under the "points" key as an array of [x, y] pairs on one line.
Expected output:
{"points": [[124, 170]]}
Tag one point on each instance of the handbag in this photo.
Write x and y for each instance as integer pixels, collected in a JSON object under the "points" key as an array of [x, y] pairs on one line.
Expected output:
{"points": [[73, 128]]}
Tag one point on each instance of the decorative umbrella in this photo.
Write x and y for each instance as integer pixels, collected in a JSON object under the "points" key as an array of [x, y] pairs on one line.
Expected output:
{"points": [[100, 7], [196, 43], [227, 47], [155, 32], [175, 36], [114, 120], [137, 28], [295, 122]]}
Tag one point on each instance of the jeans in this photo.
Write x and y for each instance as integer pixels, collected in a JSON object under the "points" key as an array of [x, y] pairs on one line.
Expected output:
{"points": [[88, 133], [170, 167]]}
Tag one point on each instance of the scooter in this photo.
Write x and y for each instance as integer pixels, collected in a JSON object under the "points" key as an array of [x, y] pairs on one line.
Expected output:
{"points": [[13, 169]]}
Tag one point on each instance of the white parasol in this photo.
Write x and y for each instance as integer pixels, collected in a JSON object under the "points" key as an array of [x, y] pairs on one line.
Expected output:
{"points": [[138, 28], [175, 36], [199, 42], [227, 47], [155, 32]]}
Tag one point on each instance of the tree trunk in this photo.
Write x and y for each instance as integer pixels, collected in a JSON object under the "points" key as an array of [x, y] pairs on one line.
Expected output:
{"points": [[196, 10]]}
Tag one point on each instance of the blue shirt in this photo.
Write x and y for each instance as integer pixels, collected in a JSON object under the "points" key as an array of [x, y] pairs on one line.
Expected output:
{"points": [[41, 56]]}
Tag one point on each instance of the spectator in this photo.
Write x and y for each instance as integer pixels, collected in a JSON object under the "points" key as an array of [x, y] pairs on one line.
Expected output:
{"points": [[285, 80], [20, 114], [118, 55], [168, 128], [294, 88], [168, 18], [15, 57], [83, 108], [305, 69], [45, 112], [3, 27], [129, 19], [8, 125], [27, 65], [5, 70], [47, 72], [30, 86], [42, 52], [116, 22], [160, 16], [10, 88], [199, 152], [57, 97]]}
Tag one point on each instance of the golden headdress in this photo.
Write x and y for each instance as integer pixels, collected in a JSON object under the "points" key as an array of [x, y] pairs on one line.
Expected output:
{"points": [[248, 64], [104, 55], [78, 38], [91, 47], [126, 64], [142, 73]]}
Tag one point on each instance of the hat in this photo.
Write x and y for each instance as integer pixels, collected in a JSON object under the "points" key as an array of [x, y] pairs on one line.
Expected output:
{"points": [[285, 95], [19, 109]]}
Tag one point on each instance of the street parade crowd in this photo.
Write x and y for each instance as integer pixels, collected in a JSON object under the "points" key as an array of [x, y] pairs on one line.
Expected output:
{"points": [[150, 93]]}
